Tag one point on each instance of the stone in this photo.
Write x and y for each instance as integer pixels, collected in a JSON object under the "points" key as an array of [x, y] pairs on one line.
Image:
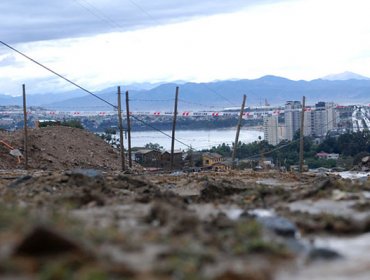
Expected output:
{"points": [[323, 254], [42, 241], [19, 181], [279, 225]]}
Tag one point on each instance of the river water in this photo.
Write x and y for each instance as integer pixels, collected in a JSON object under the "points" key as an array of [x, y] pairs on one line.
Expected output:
{"points": [[197, 139]]}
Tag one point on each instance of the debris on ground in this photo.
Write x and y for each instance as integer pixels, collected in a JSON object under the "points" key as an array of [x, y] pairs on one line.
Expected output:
{"points": [[98, 223]]}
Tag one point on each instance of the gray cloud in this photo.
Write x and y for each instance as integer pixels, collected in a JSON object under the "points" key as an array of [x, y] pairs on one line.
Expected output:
{"points": [[25, 21]]}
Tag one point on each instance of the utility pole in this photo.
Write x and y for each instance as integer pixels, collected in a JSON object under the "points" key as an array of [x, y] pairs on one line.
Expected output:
{"points": [[121, 130], [238, 131], [174, 128], [25, 128], [128, 130], [301, 142]]}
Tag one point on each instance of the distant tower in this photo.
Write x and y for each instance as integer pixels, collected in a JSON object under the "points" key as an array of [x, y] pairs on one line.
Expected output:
{"points": [[323, 118], [308, 122], [270, 129], [292, 112]]}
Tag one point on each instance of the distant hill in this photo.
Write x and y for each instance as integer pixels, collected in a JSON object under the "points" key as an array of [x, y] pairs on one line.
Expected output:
{"points": [[345, 76], [39, 99], [221, 94]]}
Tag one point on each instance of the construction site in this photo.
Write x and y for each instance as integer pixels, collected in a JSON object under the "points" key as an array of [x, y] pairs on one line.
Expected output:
{"points": [[285, 201], [74, 214]]}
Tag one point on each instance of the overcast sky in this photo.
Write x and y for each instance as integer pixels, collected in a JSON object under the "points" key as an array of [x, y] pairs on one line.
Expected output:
{"points": [[100, 43]]}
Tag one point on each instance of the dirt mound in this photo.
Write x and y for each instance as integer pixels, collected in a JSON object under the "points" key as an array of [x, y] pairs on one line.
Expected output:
{"points": [[77, 188], [53, 148]]}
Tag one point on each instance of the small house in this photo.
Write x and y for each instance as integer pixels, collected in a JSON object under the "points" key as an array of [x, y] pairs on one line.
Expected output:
{"points": [[222, 166], [323, 155], [147, 157], [209, 159], [177, 159]]}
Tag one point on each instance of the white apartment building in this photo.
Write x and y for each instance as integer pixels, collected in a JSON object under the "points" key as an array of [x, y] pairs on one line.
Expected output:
{"points": [[324, 118], [270, 129], [308, 122], [292, 112], [317, 120]]}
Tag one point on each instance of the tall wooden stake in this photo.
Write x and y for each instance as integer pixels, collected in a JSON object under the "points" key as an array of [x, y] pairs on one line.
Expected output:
{"points": [[128, 130], [25, 128], [301, 142], [174, 129], [121, 130], [238, 131]]}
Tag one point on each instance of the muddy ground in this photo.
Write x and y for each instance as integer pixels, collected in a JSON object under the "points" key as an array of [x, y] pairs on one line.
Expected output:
{"points": [[72, 215], [89, 224], [59, 148]]}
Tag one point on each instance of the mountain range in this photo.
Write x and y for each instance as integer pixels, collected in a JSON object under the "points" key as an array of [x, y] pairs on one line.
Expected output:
{"points": [[345, 76], [346, 88]]}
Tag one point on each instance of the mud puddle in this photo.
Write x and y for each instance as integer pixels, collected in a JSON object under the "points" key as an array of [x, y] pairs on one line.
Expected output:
{"points": [[336, 208], [354, 264]]}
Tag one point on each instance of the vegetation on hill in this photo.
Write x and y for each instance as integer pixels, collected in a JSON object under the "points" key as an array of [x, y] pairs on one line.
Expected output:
{"points": [[351, 147]]}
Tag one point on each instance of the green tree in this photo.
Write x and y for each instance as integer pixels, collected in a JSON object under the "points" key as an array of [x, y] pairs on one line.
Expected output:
{"points": [[223, 149], [153, 146], [72, 123], [110, 130], [348, 144]]}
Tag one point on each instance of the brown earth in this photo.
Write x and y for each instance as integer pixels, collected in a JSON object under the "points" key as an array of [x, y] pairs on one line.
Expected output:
{"points": [[86, 224], [59, 148], [74, 215]]}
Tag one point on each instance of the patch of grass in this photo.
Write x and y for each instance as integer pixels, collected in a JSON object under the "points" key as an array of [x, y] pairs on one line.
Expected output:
{"points": [[185, 263], [258, 245], [248, 229], [12, 217], [71, 270]]}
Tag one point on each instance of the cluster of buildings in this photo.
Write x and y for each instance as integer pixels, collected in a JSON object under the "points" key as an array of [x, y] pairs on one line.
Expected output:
{"points": [[155, 160], [318, 121]]}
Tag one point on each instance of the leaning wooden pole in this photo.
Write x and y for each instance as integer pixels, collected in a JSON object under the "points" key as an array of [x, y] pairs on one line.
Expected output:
{"points": [[25, 128], [121, 131], [301, 140], [174, 128], [128, 130], [238, 131]]}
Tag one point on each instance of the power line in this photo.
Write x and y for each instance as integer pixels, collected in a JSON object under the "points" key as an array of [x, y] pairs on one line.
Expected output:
{"points": [[98, 13], [84, 89], [134, 3], [152, 100], [286, 145], [111, 22], [217, 93], [164, 133], [199, 104], [57, 74]]}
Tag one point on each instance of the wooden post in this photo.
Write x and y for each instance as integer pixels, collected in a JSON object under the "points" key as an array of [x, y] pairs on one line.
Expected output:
{"points": [[25, 128], [128, 130], [301, 142], [121, 130], [238, 131], [174, 128]]}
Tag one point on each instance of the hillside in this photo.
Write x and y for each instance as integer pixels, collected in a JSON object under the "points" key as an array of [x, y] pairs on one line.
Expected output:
{"points": [[229, 93], [223, 94]]}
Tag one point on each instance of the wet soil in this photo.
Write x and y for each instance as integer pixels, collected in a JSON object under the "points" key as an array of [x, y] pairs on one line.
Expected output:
{"points": [[109, 225], [58, 148]]}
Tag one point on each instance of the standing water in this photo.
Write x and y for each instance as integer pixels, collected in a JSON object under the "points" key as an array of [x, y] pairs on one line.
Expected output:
{"points": [[197, 139]]}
